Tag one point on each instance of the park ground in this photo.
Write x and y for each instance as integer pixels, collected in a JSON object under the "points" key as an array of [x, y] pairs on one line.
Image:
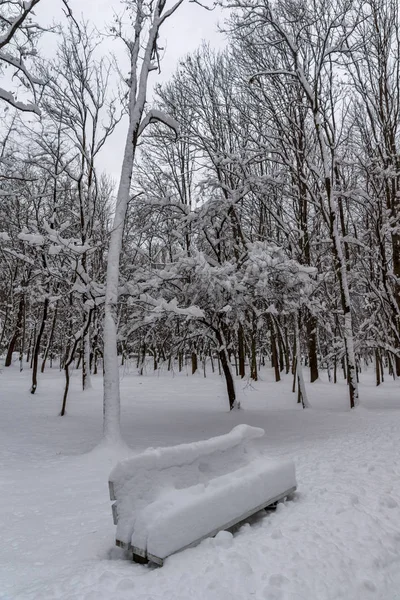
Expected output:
{"points": [[338, 538]]}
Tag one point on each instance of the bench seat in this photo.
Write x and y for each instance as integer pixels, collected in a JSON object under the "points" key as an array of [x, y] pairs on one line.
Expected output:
{"points": [[170, 499]]}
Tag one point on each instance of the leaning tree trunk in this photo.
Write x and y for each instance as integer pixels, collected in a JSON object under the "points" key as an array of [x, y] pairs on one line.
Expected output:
{"points": [[230, 384], [69, 359]]}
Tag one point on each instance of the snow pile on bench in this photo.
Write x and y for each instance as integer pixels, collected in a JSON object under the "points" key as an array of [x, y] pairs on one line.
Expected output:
{"points": [[170, 498]]}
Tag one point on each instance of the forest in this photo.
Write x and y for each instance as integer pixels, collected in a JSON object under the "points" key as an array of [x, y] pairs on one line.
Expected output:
{"points": [[256, 218]]}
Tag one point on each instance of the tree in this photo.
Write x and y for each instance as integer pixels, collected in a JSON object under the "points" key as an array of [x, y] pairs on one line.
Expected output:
{"points": [[18, 37], [309, 40], [148, 18]]}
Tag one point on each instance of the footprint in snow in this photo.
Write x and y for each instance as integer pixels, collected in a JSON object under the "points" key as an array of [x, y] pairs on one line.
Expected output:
{"points": [[125, 585], [354, 500], [276, 534], [272, 593], [389, 502], [278, 580], [368, 585]]}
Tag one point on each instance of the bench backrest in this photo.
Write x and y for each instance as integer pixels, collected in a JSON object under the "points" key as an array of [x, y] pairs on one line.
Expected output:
{"points": [[136, 482]]}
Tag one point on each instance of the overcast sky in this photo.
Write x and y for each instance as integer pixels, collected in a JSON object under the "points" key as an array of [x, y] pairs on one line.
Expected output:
{"points": [[182, 33]]}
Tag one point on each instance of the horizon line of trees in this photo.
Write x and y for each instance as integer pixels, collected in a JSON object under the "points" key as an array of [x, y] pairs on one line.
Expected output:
{"points": [[262, 223]]}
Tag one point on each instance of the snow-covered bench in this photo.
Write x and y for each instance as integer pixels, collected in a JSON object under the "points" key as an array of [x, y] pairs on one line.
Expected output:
{"points": [[167, 499]]}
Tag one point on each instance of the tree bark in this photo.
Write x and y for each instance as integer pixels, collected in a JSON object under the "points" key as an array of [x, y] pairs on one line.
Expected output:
{"points": [[274, 352], [50, 339], [377, 367], [37, 346], [230, 384], [241, 352], [86, 381], [17, 331], [194, 363], [311, 325], [70, 357], [253, 364], [303, 398]]}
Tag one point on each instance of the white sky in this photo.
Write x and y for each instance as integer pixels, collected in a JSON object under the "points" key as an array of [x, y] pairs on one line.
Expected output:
{"points": [[182, 33]]}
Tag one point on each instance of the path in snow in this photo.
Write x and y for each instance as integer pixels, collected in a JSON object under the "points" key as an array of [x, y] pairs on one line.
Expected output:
{"points": [[339, 538]]}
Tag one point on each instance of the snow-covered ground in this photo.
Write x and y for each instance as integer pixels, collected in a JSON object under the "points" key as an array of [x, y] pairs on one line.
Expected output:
{"points": [[339, 537]]}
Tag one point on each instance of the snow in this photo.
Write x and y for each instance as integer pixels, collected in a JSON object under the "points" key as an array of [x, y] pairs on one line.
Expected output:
{"points": [[167, 498], [338, 538], [179, 518], [154, 116], [10, 99], [32, 238]]}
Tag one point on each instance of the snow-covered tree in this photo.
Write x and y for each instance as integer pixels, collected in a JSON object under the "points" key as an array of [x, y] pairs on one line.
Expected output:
{"points": [[18, 37]]}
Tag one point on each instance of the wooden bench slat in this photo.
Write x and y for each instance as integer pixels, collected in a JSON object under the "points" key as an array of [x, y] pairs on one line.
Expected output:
{"points": [[114, 513], [142, 554], [111, 490]]}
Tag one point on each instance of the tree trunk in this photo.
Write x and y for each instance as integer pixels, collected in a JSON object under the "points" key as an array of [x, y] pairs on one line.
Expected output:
{"points": [[345, 373], [37, 346], [230, 384], [66, 388], [22, 341], [194, 363], [253, 363], [70, 357], [137, 101], [287, 353], [78, 364], [211, 361], [86, 381], [281, 347], [241, 352], [299, 371], [311, 324], [17, 331], [274, 352], [294, 375], [50, 339], [341, 270], [32, 345], [143, 351], [31, 337], [3, 330]]}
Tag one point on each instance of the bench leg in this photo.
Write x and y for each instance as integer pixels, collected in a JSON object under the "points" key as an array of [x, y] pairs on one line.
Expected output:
{"points": [[139, 559]]}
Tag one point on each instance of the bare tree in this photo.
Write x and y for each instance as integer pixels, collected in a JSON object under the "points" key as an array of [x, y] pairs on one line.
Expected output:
{"points": [[18, 36]]}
